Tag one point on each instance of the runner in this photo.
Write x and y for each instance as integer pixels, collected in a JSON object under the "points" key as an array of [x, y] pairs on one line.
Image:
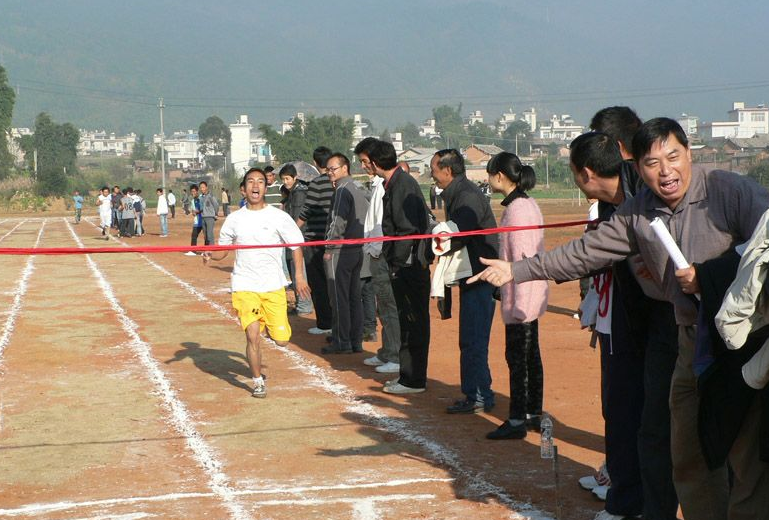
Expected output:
{"points": [[104, 203], [258, 281]]}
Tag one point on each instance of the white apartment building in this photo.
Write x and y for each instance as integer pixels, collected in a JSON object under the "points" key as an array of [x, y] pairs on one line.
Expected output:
{"points": [[688, 123], [475, 116], [181, 149], [560, 127], [13, 145], [530, 116], [247, 146], [428, 129], [286, 126], [509, 117], [744, 122], [99, 142]]}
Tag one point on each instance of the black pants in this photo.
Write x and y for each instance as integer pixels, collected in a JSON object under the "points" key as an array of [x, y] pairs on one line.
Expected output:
{"points": [[411, 288], [343, 274], [194, 237], [172, 207], [525, 365], [127, 227], [622, 393], [316, 279], [660, 499]]}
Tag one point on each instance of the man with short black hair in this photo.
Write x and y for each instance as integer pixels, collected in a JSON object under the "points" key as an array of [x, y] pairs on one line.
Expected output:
{"points": [[312, 220], [468, 208], [343, 263], [707, 214], [405, 213], [209, 210]]}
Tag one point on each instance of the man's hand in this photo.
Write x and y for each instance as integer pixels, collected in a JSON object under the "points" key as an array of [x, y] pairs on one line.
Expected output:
{"points": [[302, 288], [641, 270], [498, 273], [687, 279], [206, 257], [326, 256]]}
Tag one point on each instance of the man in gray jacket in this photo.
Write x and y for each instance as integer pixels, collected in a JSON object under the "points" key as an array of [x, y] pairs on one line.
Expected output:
{"points": [[209, 210], [707, 214], [343, 263]]}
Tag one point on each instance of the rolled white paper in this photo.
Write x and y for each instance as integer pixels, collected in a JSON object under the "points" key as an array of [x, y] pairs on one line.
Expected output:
{"points": [[661, 230]]}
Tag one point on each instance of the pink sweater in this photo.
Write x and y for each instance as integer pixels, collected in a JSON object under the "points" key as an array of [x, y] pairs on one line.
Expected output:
{"points": [[524, 302]]}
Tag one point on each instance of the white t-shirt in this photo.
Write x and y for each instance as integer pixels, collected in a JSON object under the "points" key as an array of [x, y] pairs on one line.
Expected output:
{"points": [[105, 206], [171, 199], [162, 208], [259, 270]]}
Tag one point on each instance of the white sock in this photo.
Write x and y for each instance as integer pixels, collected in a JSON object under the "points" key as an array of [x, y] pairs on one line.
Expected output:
{"points": [[258, 380]]}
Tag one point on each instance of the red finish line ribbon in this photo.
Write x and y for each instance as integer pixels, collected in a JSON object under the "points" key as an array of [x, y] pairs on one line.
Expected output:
{"points": [[348, 241]]}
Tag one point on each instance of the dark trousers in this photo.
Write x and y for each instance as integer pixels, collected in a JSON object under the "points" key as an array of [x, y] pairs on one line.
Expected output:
{"points": [[411, 288], [660, 499], [194, 237], [208, 229], [476, 311], [172, 207], [316, 279], [343, 275], [127, 227], [525, 365], [225, 209], [368, 295], [622, 393]]}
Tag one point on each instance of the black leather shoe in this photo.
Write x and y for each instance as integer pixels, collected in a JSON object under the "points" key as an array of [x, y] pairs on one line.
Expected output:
{"points": [[467, 406], [507, 431], [533, 423]]}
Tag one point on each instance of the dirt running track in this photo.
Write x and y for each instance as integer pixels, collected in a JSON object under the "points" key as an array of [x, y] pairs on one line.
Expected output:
{"points": [[124, 395]]}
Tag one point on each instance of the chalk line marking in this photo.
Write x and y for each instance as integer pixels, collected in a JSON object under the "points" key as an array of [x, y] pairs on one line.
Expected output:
{"points": [[325, 379], [14, 229], [180, 417], [36, 509], [18, 296]]}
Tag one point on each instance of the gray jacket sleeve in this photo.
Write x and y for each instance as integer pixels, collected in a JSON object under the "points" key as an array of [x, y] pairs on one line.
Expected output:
{"points": [[342, 210], [614, 240]]}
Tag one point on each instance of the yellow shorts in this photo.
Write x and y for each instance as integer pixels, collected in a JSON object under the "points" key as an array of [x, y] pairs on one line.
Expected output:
{"points": [[270, 309]]}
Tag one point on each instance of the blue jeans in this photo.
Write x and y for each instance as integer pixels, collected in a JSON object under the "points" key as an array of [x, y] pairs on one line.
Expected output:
{"points": [[476, 311], [163, 224]]}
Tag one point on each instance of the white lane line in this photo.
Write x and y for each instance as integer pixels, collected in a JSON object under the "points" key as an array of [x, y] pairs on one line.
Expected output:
{"points": [[180, 417], [14, 229], [18, 296], [297, 490], [476, 484]]}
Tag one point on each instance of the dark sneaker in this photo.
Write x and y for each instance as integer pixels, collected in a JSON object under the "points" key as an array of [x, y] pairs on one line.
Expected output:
{"points": [[507, 431], [467, 406], [532, 423]]}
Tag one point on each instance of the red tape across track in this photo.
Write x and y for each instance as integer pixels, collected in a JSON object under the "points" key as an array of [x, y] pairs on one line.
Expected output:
{"points": [[351, 241]]}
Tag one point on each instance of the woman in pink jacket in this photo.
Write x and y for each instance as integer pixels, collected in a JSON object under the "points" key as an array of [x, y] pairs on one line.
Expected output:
{"points": [[522, 304]]}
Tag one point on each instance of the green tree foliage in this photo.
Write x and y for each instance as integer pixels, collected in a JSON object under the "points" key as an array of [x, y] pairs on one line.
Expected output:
{"points": [[214, 138], [519, 131], [480, 133], [450, 126], [7, 99], [299, 142], [557, 170], [26, 144], [411, 137], [56, 146], [141, 151], [760, 173]]}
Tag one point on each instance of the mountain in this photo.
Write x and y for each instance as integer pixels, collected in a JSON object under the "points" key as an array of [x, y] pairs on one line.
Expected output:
{"points": [[105, 64]]}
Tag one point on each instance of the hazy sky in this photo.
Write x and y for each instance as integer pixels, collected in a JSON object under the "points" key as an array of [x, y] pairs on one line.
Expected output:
{"points": [[104, 63]]}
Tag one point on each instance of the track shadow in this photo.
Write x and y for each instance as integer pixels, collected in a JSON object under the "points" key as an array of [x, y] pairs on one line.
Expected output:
{"points": [[224, 364]]}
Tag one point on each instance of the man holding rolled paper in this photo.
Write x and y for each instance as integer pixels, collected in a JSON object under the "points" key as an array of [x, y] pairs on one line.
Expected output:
{"points": [[707, 214]]}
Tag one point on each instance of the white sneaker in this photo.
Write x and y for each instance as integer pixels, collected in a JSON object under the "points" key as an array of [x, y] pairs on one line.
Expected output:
{"points": [[605, 515], [190, 253], [317, 331], [392, 382], [600, 492], [601, 478], [398, 388], [373, 361], [260, 389], [389, 368]]}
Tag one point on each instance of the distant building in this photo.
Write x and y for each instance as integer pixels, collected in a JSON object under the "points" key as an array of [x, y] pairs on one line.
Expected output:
{"points": [[247, 147], [743, 122], [509, 117], [475, 117], [428, 129], [530, 116], [396, 139], [563, 128], [418, 159], [13, 145], [99, 142], [480, 154], [286, 126], [689, 124], [181, 149]]}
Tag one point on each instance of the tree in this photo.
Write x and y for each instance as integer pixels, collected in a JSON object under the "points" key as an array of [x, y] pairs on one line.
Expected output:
{"points": [[411, 137], [482, 134], [7, 99], [56, 146], [517, 132], [299, 142], [449, 124], [214, 138], [760, 173], [141, 151]]}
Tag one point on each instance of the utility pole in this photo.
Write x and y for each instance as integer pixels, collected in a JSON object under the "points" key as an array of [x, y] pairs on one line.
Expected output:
{"points": [[34, 156], [516, 143], [547, 170], [161, 106]]}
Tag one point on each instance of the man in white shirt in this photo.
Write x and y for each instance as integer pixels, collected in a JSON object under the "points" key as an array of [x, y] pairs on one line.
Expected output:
{"points": [[162, 212], [171, 203], [258, 280], [104, 203]]}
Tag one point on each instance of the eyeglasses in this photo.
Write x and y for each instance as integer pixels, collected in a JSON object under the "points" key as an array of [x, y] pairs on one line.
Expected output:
{"points": [[333, 169]]}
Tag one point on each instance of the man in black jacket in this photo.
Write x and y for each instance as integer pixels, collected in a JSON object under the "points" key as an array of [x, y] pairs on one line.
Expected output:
{"points": [[469, 209], [405, 213], [297, 193]]}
